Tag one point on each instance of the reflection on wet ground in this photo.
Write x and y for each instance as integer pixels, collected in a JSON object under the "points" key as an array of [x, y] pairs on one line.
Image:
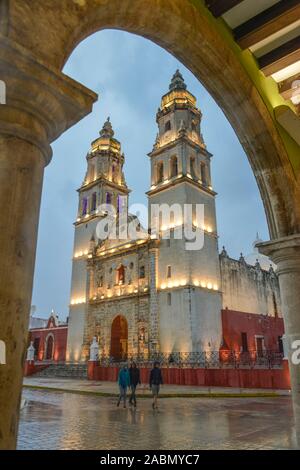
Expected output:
{"points": [[58, 420]]}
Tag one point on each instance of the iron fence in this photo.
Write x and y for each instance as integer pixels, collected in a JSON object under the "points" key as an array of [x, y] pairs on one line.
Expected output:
{"points": [[204, 359]]}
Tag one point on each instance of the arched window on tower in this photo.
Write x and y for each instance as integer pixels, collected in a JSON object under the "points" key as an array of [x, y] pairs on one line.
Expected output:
{"points": [[160, 172], [94, 202], [168, 126], [108, 198], [142, 272], [203, 173], [119, 200], [121, 275], [193, 167], [174, 166], [114, 172], [84, 206]]}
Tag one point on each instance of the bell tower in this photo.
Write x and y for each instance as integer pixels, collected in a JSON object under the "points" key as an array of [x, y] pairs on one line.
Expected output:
{"points": [[179, 121], [188, 280], [104, 183]]}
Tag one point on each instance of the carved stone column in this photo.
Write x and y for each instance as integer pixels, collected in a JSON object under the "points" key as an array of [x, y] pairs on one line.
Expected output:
{"points": [[285, 253], [41, 103]]}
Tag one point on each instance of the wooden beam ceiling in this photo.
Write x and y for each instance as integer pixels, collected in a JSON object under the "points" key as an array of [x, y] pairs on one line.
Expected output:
{"points": [[282, 57], [264, 25], [219, 7], [270, 21]]}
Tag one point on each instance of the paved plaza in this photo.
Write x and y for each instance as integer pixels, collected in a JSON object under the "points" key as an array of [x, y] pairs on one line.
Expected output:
{"points": [[63, 420], [104, 388]]}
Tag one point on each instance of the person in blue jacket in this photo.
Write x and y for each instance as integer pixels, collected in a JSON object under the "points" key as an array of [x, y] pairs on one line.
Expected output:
{"points": [[124, 383]]}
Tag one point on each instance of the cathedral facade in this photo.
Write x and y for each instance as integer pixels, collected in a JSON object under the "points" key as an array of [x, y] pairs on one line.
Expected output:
{"points": [[150, 294]]}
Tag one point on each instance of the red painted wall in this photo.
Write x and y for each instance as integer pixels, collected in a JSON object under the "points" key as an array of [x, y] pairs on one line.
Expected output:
{"points": [[234, 323], [60, 342], [239, 378]]}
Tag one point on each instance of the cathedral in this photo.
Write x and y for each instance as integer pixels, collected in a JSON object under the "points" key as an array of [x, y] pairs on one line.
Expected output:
{"points": [[150, 294]]}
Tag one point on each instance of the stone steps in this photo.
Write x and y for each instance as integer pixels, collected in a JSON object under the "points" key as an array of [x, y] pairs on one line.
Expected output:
{"points": [[78, 371]]}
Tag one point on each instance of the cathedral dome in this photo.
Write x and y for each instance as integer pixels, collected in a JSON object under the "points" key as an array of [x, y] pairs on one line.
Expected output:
{"points": [[254, 257]]}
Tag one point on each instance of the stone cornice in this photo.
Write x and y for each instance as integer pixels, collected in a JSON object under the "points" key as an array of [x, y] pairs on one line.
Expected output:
{"points": [[106, 181], [85, 220], [182, 179], [121, 250], [178, 140], [118, 298], [163, 111], [188, 286], [41, 101]]}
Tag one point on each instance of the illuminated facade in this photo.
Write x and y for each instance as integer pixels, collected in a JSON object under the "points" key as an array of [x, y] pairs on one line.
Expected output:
{"points": [[152, 294]]}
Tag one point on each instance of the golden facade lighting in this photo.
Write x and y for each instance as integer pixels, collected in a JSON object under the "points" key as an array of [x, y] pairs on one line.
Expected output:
{"points": [[78, 301]]}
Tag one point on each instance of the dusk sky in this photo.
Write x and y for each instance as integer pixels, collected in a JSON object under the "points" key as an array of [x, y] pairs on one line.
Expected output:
{"points": [[130, 74]]}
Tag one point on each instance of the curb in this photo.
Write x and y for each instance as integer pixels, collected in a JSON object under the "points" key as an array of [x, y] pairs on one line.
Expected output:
{"points": [[161, 395]]}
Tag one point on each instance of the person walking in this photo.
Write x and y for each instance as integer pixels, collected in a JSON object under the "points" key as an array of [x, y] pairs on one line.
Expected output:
{"points": [[135, 380], [124, 382], [155, 382]]}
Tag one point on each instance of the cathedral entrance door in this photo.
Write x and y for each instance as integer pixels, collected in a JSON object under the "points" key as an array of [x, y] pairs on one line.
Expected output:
{"points": [[119, 338]]}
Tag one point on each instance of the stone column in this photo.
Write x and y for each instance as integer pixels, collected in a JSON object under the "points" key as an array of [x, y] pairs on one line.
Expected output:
{"points": [[285, 253], [154, 309], [41, 103]]}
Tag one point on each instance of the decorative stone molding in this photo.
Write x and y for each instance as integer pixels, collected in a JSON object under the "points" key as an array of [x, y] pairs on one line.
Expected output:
{"points": [[284, 252], [41, 102]]}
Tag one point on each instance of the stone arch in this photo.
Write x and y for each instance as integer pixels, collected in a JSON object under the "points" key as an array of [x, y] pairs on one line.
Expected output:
{"points": [[49, 347], [173, 163], [42, 103]]}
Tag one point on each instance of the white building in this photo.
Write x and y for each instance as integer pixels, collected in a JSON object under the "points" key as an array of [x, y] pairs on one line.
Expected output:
{"points": [[153, 294]]}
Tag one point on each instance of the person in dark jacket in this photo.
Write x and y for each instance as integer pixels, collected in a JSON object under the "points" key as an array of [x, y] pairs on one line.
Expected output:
{"points": [[135, 380], [155, 382]]}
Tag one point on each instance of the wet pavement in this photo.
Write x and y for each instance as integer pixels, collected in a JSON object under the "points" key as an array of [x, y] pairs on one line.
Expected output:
{"points": [[61, 420]]}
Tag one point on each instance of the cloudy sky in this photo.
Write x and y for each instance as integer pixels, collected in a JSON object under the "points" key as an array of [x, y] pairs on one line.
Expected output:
{"points": [[130, 74]]}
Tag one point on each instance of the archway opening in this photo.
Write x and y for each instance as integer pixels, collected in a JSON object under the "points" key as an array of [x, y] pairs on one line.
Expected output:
{"points": [[49, 348], [119, 338]]}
